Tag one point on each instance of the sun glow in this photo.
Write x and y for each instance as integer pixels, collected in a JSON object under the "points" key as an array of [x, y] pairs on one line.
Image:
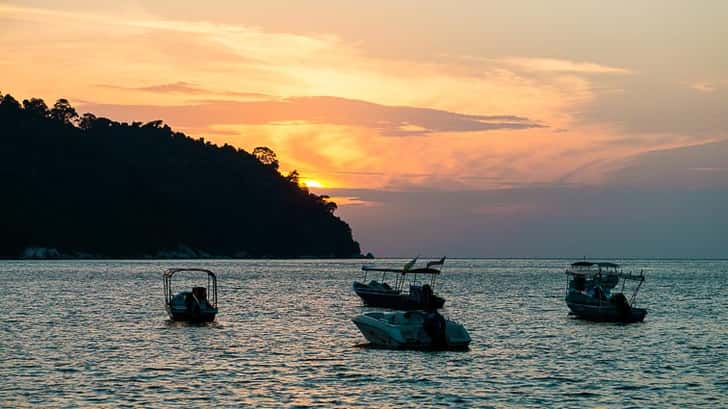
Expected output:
{"points": [[311, 183]]}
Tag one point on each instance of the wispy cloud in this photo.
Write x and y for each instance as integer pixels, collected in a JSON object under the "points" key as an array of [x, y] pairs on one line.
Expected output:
{"points": [[565, 66], [704, 87], [695, 166], [386, 120], [351, 201], [187, 88]]}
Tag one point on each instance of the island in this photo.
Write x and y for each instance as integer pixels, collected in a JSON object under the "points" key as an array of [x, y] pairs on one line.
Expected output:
{"points": [[81, 186]]}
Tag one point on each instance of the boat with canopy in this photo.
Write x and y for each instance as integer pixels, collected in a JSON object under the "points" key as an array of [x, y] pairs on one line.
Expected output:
{"points": [[590, 295], [419, 283], [197, 305]]}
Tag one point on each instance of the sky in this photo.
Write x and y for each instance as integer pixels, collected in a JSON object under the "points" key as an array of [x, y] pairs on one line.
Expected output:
{"points": [[468, 129]]}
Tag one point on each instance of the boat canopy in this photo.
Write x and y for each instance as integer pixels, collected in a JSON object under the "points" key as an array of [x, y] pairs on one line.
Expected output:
{"points": [[581, 268], [171, 271], [589, 264], [211, 283], [426, 270]]}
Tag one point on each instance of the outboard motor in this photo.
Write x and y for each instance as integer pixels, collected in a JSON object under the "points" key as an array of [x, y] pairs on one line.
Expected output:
{"points": [[427, 295], [192, 306], [623, 308], [200, 293], [436, 328], [197, 300]]}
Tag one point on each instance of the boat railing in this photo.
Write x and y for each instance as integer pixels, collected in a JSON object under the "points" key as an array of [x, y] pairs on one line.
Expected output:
{"points": [[398, 278], [211, 284], [606, 273], [592, 274], [401, 275], [633, 277]]}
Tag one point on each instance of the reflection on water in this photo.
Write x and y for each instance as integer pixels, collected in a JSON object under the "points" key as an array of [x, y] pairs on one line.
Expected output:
{"points": [[95, 333], [182, 324]]}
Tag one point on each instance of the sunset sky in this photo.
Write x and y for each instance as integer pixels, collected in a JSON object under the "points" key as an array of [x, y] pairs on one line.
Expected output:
{"points": [[470, 128]]}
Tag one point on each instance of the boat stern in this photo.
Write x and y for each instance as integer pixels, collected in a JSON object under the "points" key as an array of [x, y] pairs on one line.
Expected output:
{"points": [[457, 335]]}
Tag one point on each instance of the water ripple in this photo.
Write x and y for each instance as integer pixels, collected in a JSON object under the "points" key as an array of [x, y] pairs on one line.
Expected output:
{"points": [[94, 333]]}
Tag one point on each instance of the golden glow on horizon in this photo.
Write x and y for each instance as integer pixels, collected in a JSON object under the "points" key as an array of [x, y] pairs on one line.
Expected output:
{"points": [[311, 183]]}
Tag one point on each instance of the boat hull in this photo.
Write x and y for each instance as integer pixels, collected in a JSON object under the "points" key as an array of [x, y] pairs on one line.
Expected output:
{"points": [[395, 300], [177, 314], [606, 313]]}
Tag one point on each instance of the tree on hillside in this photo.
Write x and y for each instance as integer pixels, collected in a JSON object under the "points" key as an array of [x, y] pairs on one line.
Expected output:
{"points": [[293, 177], [154, 124], [87, 120], [63, 111], [37, 107], [329, 205], [266, 156], [10, 103]]}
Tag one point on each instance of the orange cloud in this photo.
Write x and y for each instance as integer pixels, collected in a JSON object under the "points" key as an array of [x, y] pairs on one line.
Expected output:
{"points": [[386, 120]]}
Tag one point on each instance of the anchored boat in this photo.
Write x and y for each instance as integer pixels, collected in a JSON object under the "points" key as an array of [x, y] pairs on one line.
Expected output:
{"points": [[419, 297], [197, 305], [412, 330], [590, 295]]}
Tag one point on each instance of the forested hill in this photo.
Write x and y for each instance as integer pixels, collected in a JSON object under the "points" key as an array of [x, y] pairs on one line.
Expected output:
{"points": [[82, 186]]}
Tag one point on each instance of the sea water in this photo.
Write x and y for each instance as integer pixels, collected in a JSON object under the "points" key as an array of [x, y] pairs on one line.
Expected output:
{"points": [[95, 333]]}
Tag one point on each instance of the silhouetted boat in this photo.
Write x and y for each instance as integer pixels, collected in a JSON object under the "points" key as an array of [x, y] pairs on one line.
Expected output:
{"points": [[412, 329], [589, 293], [192, 306], [419, 297]]}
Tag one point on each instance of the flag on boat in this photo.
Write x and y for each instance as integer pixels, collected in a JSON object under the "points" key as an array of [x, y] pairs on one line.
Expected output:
{"points": [[410, 264], [436, 263]]}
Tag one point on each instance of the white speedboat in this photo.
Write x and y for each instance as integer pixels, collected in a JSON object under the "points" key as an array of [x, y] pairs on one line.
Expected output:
{"points": [[412, 329]]}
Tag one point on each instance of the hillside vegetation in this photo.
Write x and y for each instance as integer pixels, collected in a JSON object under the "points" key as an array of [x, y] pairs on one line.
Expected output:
{"points": [[82, 186]]}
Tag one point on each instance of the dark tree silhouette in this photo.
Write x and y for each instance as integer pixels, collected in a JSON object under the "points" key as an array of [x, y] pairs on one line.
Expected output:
{"points": [[36, 106], [155, 124], [266, 156], [86, 121], [62, 111], [10, 103], [330, 206], [293, 177], [111, 189]]}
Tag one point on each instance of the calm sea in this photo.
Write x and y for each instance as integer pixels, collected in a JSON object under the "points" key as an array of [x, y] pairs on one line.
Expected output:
{"points": [[95, 333]]}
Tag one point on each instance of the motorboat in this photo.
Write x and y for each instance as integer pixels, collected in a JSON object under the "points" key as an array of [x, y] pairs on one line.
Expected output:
{"points": [[412, 330], [590, 295], [420, 295], [197, 305]]}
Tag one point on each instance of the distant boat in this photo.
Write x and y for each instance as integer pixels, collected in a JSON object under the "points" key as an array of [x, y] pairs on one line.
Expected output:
{"points": [[589, 293], [197, 305], [412, 330], [419, 297]]}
